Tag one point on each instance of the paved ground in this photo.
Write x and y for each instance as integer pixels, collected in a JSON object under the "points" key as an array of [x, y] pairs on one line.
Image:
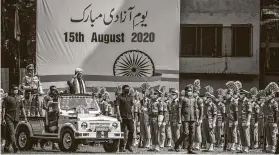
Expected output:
{"points": [[100, 150]]}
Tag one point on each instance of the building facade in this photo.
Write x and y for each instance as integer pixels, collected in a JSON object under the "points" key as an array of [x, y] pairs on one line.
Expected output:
{"points": [[220, 41], [269, 41]]}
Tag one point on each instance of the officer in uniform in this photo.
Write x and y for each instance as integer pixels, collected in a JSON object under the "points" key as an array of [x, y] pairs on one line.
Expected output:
{"points": [[244, 119], [107, 109], [32, 89], [210, 116], [136, 111], [12, 106], [231, 120], [261, 100], [254, 119], [175, 115], [270, 110], [156, 115], [168, 99], [145, 138], [189, 117], [221, 109], [199, 100]]}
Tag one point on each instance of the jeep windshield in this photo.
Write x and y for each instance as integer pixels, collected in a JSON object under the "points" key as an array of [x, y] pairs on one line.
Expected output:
{"points": [[81, 105]]}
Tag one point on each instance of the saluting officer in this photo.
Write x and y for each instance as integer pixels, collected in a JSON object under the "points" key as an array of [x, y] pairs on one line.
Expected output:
{"points": [[199, 100], [189, 116], [244, 119], [156, 115], [145, 138], [231, 116], [270, 110], [221, 109], [254, 119]]}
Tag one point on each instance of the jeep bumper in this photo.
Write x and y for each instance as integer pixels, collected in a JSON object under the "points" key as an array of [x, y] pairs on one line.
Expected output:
{"points": [[99, 135]]}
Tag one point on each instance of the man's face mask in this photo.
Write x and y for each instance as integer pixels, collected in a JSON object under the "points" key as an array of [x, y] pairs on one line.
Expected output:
{"points": [[30, 72], [126, 91]]}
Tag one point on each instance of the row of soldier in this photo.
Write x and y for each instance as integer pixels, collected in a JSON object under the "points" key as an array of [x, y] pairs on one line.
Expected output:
{"points": [[232, 118]]}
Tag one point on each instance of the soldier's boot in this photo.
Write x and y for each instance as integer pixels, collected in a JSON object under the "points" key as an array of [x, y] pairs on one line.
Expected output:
{"points": [[239, 147], [198, 146], [147, 143], [168, 143], [272, 149], [256, 145], [162, 142], [232, 148], [157, 148], [134, 142], [245, 149], [211, 147], [229, 146]]}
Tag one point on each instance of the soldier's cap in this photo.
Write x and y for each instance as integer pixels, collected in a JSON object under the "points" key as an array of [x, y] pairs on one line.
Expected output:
{"points": [[245, 92], [15, 87], [30, 67], [78, 70], [189, 88], [125, 87], [173, 91]]}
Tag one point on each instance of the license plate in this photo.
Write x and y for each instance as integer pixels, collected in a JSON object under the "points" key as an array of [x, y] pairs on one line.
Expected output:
{"points": [[102, 129]]}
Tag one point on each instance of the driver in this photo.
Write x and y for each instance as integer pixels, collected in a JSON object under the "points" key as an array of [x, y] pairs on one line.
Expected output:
{"points": [[51, 124]]}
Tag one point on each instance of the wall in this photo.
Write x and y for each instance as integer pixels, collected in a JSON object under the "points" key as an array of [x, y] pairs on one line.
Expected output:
{"points": [[225, 12], [5, 79]]}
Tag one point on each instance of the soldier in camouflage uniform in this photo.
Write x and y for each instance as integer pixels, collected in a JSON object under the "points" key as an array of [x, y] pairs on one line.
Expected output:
{"points": [[231, 120], [182, 95], [107, 106], [270, 110], [162, 129], [145, 138], [236, 97], [244, 119], [210, 116], [199, 100], [221, 109], [254, 119], [261, 99], [168, 99], [175, 115], [156, 115], [136, 110]]}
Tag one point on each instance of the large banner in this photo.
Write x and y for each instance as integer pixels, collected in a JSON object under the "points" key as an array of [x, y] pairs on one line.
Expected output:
{"points": [[115, 42]]}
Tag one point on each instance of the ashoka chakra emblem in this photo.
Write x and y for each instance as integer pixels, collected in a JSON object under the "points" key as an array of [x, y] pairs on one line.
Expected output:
{"points": [[133, 63]]}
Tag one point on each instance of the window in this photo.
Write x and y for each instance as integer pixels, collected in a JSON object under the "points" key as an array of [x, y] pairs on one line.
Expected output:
{"points": [[241, 40], [273, 57], [201, 40]]}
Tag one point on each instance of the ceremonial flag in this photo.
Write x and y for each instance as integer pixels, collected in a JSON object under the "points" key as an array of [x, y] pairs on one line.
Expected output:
{"points": [[17, 32]]}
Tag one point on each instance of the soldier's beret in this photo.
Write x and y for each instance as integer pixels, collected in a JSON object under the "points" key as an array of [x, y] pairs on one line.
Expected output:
{"points": [[30, 66]]}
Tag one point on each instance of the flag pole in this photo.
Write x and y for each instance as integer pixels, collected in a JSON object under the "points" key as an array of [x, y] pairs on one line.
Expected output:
{"points": [[19, 79]]}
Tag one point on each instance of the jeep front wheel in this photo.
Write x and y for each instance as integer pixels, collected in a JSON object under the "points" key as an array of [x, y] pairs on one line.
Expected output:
{"points": [[111, 147], [67, 141], [23, 139]]}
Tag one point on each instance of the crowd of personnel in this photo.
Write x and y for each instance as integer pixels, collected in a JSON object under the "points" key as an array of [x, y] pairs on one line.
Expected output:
{"points": [[153, 117]]}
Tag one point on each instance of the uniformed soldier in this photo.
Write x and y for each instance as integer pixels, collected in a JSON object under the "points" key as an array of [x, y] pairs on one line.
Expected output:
{"points": [[199, 100], [12, 106], [136, 111], [210, 116], [168, 99], [231, 120], [221, 109], [95, 95], [32, 89], [144, 116], [270, 110], [156, 115], [254, 119], [175, 115], [182, 95], [189, 117], [107, 109], [101, 98], [261, 100], [237, 96], [244, 119]]}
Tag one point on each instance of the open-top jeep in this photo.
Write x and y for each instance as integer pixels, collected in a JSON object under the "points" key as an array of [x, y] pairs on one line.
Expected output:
{"points": [[73, 120]]}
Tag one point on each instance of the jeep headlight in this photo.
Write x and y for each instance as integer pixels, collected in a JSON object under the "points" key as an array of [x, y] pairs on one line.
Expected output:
{"points": [[115, 125], [84, 125]]}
